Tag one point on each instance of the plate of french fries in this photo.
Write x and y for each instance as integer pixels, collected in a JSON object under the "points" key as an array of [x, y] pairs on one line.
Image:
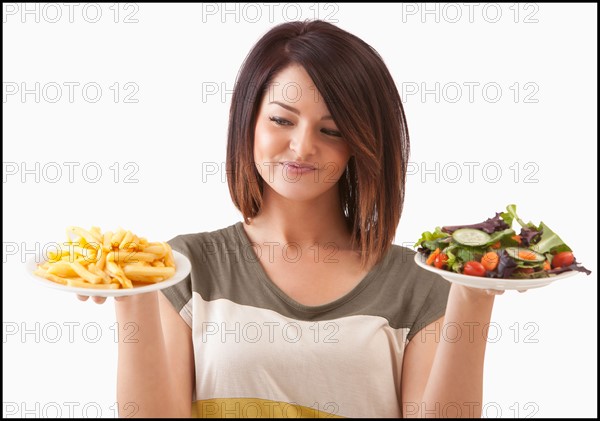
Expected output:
{"points": [[109, 264]]}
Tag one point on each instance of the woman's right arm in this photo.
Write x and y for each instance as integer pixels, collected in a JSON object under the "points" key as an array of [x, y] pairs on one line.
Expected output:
{"points": [[156, 360]]}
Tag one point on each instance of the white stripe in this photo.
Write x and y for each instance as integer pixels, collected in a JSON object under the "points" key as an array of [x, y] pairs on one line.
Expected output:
{"points": [[350, 365]]}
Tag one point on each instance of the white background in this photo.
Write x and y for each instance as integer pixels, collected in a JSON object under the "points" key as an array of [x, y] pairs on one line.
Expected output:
{"points": [[542, 362]]}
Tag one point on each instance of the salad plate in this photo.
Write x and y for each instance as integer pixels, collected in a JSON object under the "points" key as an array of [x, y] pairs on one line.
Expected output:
{"points": [[494, 254], [491, 283]]}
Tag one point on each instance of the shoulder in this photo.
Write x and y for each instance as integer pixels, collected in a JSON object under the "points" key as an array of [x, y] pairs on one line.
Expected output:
{"points": [[205, 242], [415, 294], [215, 254], [215, 262], [401, 267]]}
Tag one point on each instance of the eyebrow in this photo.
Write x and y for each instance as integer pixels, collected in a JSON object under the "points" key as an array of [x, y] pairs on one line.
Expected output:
{"points": [[296, 111]]}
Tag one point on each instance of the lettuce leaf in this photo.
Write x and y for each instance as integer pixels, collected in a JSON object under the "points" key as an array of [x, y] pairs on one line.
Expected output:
{"points": [[512, 210], [499, 235], [450, 263], [466, 254], [550, 242], [507, 216], [431, 236]]}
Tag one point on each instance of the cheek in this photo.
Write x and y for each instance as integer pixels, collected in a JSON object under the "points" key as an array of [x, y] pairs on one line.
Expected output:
{"points": [[267, 142], [341, 154]]}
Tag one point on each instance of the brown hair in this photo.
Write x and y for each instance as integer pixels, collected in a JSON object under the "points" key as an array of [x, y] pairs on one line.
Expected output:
{"points": [[366, 107]]}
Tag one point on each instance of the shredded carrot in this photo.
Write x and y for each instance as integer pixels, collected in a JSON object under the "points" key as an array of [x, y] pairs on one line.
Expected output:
{"points": [[546, 265], [496, 245], [517, 238], [432, 256]]}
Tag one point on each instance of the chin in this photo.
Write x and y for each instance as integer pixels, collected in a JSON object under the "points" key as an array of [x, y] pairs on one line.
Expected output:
{"points": [[299, 192]]}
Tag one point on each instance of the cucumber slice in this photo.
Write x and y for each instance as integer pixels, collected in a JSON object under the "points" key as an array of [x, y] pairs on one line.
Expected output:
{"points": [[514, 253], [471, 237]]}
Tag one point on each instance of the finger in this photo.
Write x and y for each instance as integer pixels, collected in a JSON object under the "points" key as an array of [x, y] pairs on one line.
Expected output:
{"points": [[82, 297], [494, 291], [99, 300]]}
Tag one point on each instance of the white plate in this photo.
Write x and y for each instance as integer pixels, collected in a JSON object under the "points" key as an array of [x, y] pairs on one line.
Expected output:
{"points": [[491, 283], [182, 269]]}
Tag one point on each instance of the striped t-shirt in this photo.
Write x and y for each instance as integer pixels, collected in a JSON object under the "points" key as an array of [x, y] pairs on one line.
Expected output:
{"points": [[259, 353]]}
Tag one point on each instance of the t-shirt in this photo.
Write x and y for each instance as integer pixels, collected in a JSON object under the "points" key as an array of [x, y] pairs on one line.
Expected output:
{"points": [[259, 353]]}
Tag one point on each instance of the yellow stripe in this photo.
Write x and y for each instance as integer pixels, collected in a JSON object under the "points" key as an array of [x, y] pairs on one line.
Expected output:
{"points": [[260, 408]]}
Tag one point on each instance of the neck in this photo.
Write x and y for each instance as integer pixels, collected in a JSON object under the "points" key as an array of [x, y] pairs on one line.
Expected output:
{"points": [[320, 220]]}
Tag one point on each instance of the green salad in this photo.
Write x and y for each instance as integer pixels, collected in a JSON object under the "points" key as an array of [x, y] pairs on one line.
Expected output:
{"points": [[493, 249]]}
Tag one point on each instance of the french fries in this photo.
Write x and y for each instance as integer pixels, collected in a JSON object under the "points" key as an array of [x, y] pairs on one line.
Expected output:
{"points": [[111, 260]]}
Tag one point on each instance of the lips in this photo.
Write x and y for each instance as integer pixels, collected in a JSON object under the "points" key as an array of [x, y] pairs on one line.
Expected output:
{"points": [[300, 165]]}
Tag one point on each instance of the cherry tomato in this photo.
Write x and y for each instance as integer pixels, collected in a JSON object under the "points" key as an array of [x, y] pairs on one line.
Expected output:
{"points": [[564, 258], [474, 268], [440, 260]]}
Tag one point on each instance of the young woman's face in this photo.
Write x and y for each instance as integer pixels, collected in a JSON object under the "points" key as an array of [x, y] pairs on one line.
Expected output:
{"points": [[294, 124]]}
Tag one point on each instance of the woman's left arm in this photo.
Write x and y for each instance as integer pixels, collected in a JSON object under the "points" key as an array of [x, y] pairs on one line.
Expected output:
{"points": [[442, 374]]}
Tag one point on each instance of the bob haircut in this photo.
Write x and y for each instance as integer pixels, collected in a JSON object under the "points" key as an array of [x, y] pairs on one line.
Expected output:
{"points": [[366, 107]]}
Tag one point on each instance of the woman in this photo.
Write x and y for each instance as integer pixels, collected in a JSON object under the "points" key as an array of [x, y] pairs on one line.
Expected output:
{"points": [[307, 308]]}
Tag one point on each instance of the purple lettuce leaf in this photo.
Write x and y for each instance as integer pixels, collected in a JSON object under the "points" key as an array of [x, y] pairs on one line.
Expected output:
{"points": [[546, 273], [573, 266], [490, 225], [530, 236], [506, 266]]}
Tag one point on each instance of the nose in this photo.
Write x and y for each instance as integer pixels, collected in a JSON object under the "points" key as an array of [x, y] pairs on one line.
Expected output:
{"points": [[303, 143]]}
